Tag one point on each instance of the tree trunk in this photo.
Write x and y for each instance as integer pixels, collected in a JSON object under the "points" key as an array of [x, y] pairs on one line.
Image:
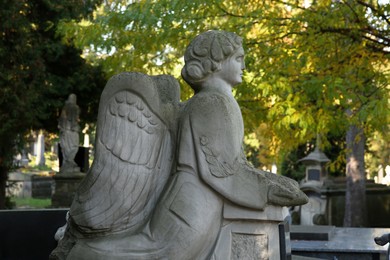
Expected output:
{"points": [[355, 197]]}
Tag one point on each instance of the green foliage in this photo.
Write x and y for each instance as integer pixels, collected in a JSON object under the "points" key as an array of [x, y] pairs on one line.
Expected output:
{"points": [[290, 165], [306, 65], [38, 72]]}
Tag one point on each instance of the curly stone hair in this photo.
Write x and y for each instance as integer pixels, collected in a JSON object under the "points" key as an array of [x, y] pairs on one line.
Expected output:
{"points": [[206, 53]]}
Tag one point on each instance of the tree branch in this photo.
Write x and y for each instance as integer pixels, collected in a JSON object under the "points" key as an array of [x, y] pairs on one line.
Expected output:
{"points": [[381, 14]]}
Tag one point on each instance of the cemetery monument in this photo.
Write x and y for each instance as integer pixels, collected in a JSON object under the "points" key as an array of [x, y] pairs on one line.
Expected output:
{"points": [[69, 176], [170, 180], [69, 127]]}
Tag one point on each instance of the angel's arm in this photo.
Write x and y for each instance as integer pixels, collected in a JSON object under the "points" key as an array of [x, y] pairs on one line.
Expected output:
{"points": [[219, 147]]}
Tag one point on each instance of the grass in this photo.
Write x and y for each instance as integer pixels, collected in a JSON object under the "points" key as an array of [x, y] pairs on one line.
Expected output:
{"points": [[50, 168], [31, 203]]}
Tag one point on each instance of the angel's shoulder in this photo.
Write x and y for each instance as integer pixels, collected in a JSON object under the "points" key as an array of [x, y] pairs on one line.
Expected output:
{"points": [[209, 104]]}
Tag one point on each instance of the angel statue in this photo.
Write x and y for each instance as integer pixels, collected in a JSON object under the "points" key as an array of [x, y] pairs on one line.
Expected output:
{"points": [[69, 127], [148, 144]]}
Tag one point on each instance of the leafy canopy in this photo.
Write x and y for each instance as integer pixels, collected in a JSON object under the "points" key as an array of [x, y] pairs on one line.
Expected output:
{"points": [[38, 71], [307, 64]]}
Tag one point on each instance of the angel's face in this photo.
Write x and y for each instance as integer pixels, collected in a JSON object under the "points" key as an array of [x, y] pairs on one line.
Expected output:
{"points": [[233, 67]]}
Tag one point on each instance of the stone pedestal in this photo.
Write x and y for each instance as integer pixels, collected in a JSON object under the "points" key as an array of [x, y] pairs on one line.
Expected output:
{"points": [[81, 158], [65, 188], [249, 234]]}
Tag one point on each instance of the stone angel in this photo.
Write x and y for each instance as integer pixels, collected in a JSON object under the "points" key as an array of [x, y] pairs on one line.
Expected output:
{"points": [[68, 123], [209, 170], [109, 218]]}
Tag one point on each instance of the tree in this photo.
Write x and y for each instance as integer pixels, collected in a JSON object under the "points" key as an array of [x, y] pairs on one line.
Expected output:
{"points": [[38, 72], [318, 68]]}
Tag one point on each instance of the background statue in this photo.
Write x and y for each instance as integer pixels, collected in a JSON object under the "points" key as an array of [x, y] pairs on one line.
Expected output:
{"points": [[68, 124], [210, 169]]}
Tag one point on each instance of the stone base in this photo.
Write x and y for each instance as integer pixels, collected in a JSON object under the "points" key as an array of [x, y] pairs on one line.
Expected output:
{"points": [[249, 234], [66, 186]]}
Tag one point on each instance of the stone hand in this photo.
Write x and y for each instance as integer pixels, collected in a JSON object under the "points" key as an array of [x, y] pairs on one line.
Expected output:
{"points": [[283, 191]]}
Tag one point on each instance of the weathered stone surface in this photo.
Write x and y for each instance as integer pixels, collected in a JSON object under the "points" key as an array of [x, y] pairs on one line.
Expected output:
{"points": [[346, 243], [66, 186], [24, 185], [40, 159], [257, 229], [249, 246]]}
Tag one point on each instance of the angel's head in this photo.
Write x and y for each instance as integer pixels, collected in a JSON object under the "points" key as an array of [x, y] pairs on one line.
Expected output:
{"points": [[72, 99], [206, 54]]}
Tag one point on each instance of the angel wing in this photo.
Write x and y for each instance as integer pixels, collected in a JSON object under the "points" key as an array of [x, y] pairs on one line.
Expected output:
{"points": [[133, 157]]}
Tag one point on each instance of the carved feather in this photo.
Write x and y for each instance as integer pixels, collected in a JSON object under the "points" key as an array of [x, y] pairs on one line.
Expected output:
{"points": [[133, 158]]}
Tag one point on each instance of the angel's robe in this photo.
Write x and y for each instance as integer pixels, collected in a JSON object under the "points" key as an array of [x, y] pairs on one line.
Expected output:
{"points": [[210, 147], [69, 132], [211, 168]]}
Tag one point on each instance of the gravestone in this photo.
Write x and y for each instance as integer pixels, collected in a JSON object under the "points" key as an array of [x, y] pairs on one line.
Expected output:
{"points": [[329, 242], [170, 180], [31, 185], [24, 159], [40, 148]]}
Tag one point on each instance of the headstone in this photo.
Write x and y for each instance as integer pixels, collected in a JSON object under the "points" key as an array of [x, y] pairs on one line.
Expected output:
{"points": [[164, 173], [86, 140], [86, 136], [40, 149], [24, 160], [19, 185], [23, 185], [337, 243]]}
